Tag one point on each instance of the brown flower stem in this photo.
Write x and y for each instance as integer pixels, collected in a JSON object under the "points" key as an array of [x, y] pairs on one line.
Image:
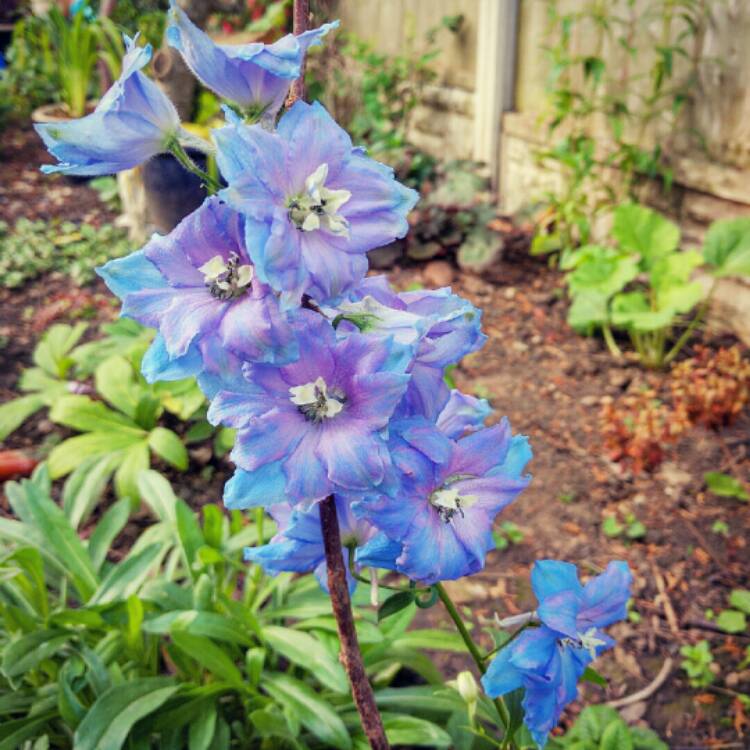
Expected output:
{"points": [[351, 656], [300, 24]]}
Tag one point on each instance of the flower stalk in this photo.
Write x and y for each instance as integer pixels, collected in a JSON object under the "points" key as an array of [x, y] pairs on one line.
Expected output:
{"points": [[351, 656]]}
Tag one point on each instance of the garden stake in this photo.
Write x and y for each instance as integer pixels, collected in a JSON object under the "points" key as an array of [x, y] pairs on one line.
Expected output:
{"points": [[351, 656]]}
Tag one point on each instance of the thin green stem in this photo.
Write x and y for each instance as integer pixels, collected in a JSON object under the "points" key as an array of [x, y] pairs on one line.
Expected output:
{"points": [[176, 149], [609, 339], [694, 323], [476, 654], [357, 576]]}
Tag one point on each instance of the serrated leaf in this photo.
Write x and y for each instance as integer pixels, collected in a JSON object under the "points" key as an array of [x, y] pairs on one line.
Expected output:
{"points": [[727, 247], [642, 230]]}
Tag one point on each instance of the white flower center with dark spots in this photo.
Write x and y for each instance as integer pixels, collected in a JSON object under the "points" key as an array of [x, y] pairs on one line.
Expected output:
{"points": [[587, 641], [226, 279], [317, 207], [447, 501], [316, 401]]}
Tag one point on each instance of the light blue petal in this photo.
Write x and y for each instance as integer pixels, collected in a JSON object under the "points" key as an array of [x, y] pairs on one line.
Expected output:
{"points": [[133, 273], [550, 577], [253, 489]]}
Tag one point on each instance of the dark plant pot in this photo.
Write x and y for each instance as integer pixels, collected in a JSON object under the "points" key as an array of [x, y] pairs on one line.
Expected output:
{"points": [[6, 34], [171, 191]]}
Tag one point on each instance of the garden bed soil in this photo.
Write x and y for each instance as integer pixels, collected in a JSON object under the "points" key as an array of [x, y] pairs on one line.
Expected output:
{"points": [[551, 384]]}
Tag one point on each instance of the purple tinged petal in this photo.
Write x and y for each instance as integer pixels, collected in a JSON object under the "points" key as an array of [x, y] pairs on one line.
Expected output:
{"points": [[267, 438], [462, 414], [605, 597], [501, 676], [551, 577], [559, 612]]}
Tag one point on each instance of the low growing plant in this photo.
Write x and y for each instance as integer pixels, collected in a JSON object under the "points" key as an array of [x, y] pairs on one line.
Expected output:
{"points": [[643, 285], [29, 249]]}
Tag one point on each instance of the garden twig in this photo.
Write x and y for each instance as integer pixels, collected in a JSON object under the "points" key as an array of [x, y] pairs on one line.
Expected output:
{"points": [[647, 691], [674, 625]]}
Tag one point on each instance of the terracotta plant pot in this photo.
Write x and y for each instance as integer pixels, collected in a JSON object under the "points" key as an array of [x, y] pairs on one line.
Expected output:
{"points": [[58, 112]]}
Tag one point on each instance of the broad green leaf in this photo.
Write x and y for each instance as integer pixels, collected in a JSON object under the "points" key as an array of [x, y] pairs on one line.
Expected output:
{"points": [[156, 490], [14, 733], [196, 622], [317, 716], [109, 721], [367, 632], [674, 269], [588, 311], [725, 485], [395, 603], [309, 653], [616, 736], [86, 415], [52, 352], [168, 445], [727, 247], [210, 656], [740, 599], [732, 621], [14, 413], [25, 653], [601, 270], [85, 486], [434, 640], [202, 728], [631, 310], [415, 732], [116, 382], [72, 709], [135, 459], [679, 298], [62, 541], [106, 531], [67, 455], [642, 230], [591, 675], [126, 578]]}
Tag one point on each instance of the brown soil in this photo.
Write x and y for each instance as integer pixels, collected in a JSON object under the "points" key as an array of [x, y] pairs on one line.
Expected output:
{"points": [[550, 383]]}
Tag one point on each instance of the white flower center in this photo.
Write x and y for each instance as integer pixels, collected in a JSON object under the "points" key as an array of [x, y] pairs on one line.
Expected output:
{"points": [[587, 641], [448, 502], [317, 207], [316, 402], [226, 279]]}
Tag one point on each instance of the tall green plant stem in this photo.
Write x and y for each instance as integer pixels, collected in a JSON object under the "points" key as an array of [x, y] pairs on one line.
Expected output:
{"points": [[694, 323], [351, 656], [476, 654]]}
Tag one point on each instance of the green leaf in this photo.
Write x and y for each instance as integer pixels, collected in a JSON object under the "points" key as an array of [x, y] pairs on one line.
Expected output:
{"points": [[732, 621], [14, 413], [616, 736], [740, 599], [67, 455], [641, 230], [309, 653], [190, 535], [14, 733], [412, 731], [587, 312], [208, 655], [591, 675], [109, 526], [394, 604], [62, 540], [679, 298], [318, 717], [51, 353], [631, 310], [115, 381], [86, 415], [674, 269], [135, 459], [202, 728], [601, 270], [197, 622], [434, 640], [725, 485], [156, 490], [126, 578], [25, 653], [85, 486], [727, 247], [168, 445], [109, 721], [611, 527]]}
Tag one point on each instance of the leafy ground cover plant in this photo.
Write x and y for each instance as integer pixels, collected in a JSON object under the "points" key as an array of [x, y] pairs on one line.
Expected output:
{"points": [[347, 434], [643, 285], [180, 644], [29, 249]]}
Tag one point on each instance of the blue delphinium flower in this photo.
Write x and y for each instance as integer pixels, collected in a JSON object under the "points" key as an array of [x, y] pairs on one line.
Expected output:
{"points": [[547, 661], [133, 121], [298, 547], [255, 76], [436, 327], [462, 413], [313, 427], [314, 204], [197, 284], [445, 496]]}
